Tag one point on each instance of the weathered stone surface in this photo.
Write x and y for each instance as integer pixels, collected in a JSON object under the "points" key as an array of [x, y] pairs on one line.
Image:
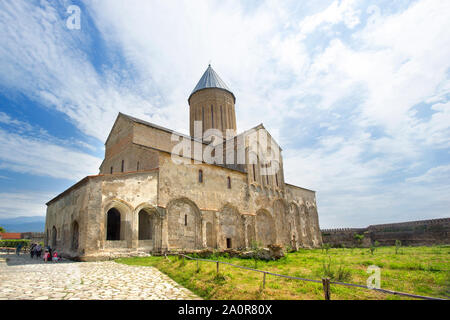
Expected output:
{"points": [[146, 200]]}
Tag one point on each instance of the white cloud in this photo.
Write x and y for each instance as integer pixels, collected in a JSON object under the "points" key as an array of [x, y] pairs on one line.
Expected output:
{"points": [[6, 119], [42, 158], [433, 175], [26, 204], [338, 12], [45, 60]]}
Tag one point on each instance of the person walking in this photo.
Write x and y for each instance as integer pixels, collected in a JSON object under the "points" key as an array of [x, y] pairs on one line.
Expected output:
{"points": [[38, 250], [32, 250], [18, 248]]}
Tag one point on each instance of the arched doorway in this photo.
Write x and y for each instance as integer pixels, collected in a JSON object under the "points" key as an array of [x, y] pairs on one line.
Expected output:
{"points": [[146, 225], [265, 228], [75, 235], [113, 224]]}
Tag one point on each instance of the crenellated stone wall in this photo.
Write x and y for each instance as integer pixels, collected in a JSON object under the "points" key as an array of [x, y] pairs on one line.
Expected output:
{"points": [[411, 233]]}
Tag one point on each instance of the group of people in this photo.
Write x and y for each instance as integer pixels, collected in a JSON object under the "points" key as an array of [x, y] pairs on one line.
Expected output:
{"points": [[49, 254]]}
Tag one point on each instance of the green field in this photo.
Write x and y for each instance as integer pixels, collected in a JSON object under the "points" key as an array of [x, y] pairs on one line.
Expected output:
{"points": [[418, 270]]}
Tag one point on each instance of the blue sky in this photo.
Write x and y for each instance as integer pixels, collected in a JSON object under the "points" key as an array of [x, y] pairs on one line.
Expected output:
{"points": [[357, 94]]}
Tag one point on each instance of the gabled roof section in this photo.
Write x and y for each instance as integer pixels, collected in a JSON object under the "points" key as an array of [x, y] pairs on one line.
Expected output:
{"points": [[256, 128], [149, 124], [211, 79]]}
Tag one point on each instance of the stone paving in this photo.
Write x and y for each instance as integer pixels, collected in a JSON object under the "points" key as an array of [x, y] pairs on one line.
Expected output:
{"points": [[24, 278]]}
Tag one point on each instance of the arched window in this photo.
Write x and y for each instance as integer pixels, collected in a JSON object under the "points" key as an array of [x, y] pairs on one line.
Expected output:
{"points": [[200, 176], [137, 167], [203, 120], [276, 178], [185, 219], [123, 165], [254, 172], [221, 118], [111, 170], [229, 182], [212, 116]]}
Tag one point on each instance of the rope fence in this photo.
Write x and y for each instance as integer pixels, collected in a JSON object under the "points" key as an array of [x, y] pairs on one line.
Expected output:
{"points": [[326, 283]]}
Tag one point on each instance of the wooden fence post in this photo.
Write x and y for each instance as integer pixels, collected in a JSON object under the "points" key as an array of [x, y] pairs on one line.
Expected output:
{"points": [[264, 280], [198, 268], [326, 288], [217, 267]]}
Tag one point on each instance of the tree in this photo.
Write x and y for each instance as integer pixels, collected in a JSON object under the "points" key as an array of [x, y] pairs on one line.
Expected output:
{"points": [[398, 245], [374, 246], [2, 230], [359, 238]]}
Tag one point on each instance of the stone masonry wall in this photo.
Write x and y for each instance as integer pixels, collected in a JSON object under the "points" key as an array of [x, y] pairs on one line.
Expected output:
{"points": [[412, 233]]}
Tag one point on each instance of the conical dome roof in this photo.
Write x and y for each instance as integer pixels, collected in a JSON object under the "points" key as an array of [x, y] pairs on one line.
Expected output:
{"points": [[211, 79]]}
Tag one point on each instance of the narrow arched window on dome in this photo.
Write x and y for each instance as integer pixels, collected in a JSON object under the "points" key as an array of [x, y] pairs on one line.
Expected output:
{"points": [[229, 182], [221, 119], [203, 120], [212, 116], [200, 176]]}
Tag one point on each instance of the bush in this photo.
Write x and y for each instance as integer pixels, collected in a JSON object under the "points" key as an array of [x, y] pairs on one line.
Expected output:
{"points": [[343, 274], [326, 247], [14, 243], [340, 273]]}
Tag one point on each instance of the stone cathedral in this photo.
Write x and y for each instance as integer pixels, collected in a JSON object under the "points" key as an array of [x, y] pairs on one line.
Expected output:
{"points": [[148, 199]]}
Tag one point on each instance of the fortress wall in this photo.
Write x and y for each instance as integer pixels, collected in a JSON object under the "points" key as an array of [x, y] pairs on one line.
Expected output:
{"points": [[415, 233]]}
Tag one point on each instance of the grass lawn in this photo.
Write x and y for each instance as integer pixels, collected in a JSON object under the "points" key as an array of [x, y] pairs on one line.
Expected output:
{"points": [[418, 270]]}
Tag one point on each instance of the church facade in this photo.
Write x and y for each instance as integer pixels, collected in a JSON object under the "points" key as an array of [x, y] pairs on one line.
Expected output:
{"points": [[158, 190]]}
